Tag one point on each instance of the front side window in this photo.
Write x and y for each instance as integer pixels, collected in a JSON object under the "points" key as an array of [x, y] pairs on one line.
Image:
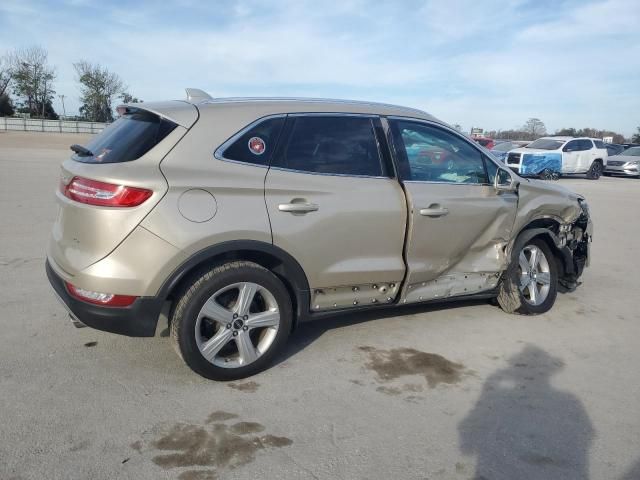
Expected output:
{"points": [[257, 144], [429, 154], [632, 152], [333, 145]]}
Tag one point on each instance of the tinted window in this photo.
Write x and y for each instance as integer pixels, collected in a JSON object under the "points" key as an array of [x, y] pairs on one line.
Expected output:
{"points": [[632, 152], [613, 149], [504, 147], [257, 144], [572, 146], [599, 143], [430, 154], [341, 145], [585, 144], [546, 144], [128, 138]]}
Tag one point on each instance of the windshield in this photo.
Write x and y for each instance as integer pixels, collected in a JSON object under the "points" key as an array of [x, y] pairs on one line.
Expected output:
{"points": [[632, 152], [546, 144], [504, 147]]}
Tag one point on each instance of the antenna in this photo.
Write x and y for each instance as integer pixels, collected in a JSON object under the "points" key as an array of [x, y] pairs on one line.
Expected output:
{"points": [[195, 95]]}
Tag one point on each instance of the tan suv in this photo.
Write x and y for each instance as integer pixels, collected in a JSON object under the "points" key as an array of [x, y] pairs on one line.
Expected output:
{"points": [[245, 217]]}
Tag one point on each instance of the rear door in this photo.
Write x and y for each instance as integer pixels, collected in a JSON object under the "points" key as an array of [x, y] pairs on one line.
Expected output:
{"points": [[458, 223], [588, 154], [334, 206], [571, 157]]}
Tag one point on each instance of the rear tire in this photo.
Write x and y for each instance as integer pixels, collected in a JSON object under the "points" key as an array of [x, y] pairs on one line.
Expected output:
{"points": [[530, 283], [595, 171], [231, 321]]}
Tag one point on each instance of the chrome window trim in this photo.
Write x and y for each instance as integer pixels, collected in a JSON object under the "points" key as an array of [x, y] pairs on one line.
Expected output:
{"points": [[219, 152], [456, 133], [293, 170]]}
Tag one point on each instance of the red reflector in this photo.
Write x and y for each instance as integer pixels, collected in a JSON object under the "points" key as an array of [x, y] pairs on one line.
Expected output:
{"points": [[93, 192], [97, 298]]}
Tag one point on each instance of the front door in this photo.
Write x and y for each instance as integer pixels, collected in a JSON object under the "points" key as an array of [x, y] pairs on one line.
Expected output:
{"points": [[335, 209], [459, 224]]}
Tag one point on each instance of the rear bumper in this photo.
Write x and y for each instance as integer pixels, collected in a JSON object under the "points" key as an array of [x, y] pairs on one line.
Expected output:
{"points": [[137, 320]]}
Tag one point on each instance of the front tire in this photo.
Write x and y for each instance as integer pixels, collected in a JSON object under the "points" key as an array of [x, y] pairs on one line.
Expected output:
{"points": [[530, 284], [595, 171], [231, 321]]}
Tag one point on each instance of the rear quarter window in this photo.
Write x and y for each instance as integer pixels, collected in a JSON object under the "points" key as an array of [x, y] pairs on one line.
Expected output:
{"points": [[128, 138], [255, 144]]}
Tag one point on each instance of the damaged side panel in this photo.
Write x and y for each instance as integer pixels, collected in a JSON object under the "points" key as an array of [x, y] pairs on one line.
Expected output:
{"points": [[462, 249]]}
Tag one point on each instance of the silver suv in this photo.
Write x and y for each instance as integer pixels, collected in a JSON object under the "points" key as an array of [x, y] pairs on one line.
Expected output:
{"points": [[246, 217]]}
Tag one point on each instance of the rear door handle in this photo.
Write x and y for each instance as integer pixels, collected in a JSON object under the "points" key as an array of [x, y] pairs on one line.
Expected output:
{"points": [[434, 211], [298, 207]]}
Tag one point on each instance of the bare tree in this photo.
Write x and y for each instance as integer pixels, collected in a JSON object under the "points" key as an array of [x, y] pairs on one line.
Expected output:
{"points": [[534, 128], [636, 136], [99, 87], [5, 74], [32, 80]]}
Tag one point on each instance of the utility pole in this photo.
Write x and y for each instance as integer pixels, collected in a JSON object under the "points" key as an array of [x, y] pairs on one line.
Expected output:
{"points": [[64, 112]]}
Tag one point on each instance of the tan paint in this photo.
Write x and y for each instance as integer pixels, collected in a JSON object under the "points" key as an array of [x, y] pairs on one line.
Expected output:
{"points": [[354, 239]]}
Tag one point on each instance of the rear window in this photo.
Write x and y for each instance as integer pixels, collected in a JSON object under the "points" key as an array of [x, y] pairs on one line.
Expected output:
{"points": [[128, 138]]}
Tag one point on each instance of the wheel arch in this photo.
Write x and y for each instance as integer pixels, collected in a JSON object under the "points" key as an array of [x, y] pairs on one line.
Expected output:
{"points": [[547, 230], [273, 258]]}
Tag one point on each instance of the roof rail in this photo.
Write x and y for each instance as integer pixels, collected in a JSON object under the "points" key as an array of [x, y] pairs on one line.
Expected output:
{"points": [[195, 95]]}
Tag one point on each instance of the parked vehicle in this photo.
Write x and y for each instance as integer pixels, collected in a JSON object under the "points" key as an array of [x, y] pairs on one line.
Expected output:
{"points": [[247, 217], [487, 143], [501, 149], [614, 149], [565, 155], [626, 163]]}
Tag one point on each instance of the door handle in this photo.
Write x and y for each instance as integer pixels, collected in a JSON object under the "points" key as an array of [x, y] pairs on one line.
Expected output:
{"points": [[298, 207], [434, 211]]}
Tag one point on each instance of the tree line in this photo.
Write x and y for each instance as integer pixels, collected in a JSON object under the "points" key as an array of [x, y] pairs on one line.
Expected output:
{"points": [[535, 128], [27, 87]]}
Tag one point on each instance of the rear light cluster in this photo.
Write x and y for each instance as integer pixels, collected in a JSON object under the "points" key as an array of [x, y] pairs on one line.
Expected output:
{"points": [[102, 194], [97, 298]]}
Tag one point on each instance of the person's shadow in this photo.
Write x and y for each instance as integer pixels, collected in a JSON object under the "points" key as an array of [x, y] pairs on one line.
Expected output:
{"points": [[524, 427]]}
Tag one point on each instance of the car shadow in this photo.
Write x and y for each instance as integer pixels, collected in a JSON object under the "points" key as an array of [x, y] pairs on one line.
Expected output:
{"points": [[522, 426], [308, 332]]}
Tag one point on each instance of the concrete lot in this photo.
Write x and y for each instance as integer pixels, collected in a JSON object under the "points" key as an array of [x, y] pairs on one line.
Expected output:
{"points": [[451, 392]]}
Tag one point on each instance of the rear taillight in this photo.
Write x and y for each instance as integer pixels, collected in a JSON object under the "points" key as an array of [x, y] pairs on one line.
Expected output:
{"points": [[98, 298], [93, 192]]}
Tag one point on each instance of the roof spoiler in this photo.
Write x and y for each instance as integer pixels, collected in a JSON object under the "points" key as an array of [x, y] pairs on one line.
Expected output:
{"points": [[195, 95]]}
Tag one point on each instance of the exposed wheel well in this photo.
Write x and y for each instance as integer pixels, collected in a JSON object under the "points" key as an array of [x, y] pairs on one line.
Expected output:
{"points": [[547, 229]]}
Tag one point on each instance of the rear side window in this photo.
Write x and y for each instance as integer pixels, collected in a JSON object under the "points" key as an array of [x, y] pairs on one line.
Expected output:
{"points": [[599, 143], [586, 144], [257, 144], [338, 145], [128, 138]]}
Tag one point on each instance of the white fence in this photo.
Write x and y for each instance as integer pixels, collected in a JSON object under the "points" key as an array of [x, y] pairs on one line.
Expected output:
{"points": [[60, 126]]}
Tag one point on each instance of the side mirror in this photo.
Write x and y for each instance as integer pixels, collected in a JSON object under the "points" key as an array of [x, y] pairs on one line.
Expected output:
{"points": [[504, 181]]}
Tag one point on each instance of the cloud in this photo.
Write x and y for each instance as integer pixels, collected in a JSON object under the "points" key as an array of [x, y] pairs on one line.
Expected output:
{"points": [[491, 64]]}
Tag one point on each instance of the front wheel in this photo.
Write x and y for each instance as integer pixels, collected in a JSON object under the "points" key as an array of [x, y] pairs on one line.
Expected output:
{"points": [[231, 321], [595, 171], [529, 286]]}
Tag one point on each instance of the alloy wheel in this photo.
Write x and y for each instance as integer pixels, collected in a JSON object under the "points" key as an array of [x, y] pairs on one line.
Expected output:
{"points": [[237, 325], [535, 275]]}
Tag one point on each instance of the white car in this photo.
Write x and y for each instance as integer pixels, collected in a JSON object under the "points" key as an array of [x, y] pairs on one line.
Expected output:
{"points": [[563, 155]]}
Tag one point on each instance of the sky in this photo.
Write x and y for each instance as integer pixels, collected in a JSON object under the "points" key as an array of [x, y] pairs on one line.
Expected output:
{"points": [[488, 64]]}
